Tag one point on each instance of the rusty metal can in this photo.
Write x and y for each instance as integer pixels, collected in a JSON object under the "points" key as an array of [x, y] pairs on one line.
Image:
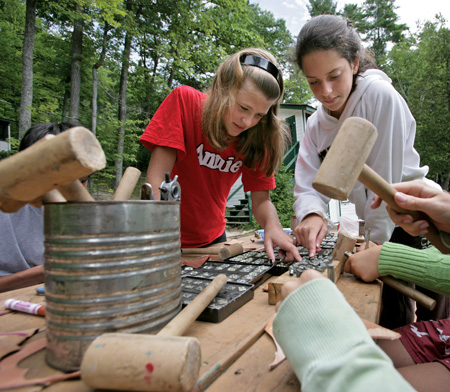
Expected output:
{"points": [[109, 267]]}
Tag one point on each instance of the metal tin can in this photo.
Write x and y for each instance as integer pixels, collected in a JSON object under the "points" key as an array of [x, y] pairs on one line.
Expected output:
{"points": [[109, 267]]}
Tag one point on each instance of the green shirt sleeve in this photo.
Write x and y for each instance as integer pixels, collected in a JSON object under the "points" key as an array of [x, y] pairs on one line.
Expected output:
{"points": [[427, 268], [328, 346]]}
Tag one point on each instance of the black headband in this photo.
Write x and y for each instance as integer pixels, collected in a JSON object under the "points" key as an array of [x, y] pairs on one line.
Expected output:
{"points": [[262, 63]]}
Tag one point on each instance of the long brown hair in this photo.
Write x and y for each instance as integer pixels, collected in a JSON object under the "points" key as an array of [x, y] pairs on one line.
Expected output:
{"points": [[325, 32], [262, 146]]}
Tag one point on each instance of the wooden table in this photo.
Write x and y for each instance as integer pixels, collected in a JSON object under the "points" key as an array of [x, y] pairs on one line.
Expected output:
{"points": [[235, 353]]}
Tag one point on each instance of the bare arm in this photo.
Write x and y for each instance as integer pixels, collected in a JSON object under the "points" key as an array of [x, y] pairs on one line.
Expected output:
{"points": [[161, 161], [25, 278], [274, 235]]}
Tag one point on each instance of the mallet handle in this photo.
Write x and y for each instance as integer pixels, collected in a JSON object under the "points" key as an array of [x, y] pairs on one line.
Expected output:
{"points": [[224, 252], [75, 191], [204, 251], [377, 184], [53, 196], [412, 293], [181, 322], [127, 184]]}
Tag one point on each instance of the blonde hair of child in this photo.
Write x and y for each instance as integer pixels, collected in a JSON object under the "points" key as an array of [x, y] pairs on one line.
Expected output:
{"points": [[262, 146]]}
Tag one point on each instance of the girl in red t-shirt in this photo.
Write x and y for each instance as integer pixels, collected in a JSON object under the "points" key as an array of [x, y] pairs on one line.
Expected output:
{"points": [[210, 140]]}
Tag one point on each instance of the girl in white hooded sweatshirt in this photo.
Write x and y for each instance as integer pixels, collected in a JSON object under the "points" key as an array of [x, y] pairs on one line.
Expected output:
{"points": [[344, 78]]}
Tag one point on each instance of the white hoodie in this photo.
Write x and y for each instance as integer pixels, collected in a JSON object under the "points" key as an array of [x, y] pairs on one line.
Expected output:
{"points": [[393, 155]]}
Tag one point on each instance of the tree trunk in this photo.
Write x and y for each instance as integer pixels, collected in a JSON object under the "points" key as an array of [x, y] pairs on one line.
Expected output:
{"points": [[122, 108], [95, 80], [75, 85], [123, 98], [65, 105], [27, 68]]}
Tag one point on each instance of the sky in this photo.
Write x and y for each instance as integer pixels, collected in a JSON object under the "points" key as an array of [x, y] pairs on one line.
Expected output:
{"points": [[296, 14]]}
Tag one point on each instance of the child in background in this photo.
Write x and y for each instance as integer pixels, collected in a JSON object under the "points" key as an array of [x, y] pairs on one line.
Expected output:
{"points": [[22, 232]]}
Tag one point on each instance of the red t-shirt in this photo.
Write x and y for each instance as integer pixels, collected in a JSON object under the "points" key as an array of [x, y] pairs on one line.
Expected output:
{"points": [[205, 174]]}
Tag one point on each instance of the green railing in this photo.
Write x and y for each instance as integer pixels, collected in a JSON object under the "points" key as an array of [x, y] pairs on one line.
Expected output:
{"points": [[289, 159]]}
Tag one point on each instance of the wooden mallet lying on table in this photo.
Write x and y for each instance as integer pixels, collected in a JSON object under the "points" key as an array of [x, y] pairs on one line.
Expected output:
{"points": [[345, 163], [224, 251], [54, 163], [162, 362]]}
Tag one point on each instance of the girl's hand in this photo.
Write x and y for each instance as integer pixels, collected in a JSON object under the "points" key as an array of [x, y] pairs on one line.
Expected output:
{"points": [[276, 236], [310, 233], [292, 285], [364, 264]]}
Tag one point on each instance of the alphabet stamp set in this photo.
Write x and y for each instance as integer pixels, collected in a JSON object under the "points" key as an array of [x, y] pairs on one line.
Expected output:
{"points": [[245, 272]]}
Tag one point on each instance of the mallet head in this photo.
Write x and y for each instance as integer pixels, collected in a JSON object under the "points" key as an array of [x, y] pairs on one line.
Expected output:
{"points": [[345, 159], [138, 362]]}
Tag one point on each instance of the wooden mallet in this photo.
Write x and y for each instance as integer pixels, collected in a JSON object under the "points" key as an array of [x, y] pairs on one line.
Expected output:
{"points": [[224, 251], [54, 163], [162, 362], [345, 163]]}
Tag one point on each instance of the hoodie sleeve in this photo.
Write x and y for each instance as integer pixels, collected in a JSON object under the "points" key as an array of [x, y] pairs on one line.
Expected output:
{"points": [[393, 155], [307, 199], [328, 346]]}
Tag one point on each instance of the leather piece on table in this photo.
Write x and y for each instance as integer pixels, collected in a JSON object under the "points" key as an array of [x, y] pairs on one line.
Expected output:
{"points": [[197, 263], [14, 377], [279, 354], [10, 342]]}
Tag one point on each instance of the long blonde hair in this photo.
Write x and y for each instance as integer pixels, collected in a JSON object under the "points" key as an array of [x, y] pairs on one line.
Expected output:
{"points": [[262, 146]]}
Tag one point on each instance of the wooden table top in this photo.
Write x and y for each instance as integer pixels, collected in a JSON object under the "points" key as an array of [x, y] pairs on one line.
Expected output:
{"points": [[236, 352]]}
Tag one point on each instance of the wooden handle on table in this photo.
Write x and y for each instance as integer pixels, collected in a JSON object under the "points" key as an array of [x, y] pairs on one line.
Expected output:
{"points": [[414, 294], [386, 191], [189, 314], [127, 184], [224, 252], [206, 251], [230, 250]]}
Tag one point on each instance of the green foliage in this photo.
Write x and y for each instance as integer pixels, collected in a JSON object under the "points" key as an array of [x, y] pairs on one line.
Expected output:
{"points": [[297, 89], [179, 42], [377, 22], [283, 197], [322, 7], [15, 143], [352, 12], [12, 17], [429, 95]]}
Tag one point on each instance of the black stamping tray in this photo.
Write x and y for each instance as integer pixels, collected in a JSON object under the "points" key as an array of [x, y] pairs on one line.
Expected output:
{"points": [[280, 267], [260, 258], [230, 298], [236, 273]]}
